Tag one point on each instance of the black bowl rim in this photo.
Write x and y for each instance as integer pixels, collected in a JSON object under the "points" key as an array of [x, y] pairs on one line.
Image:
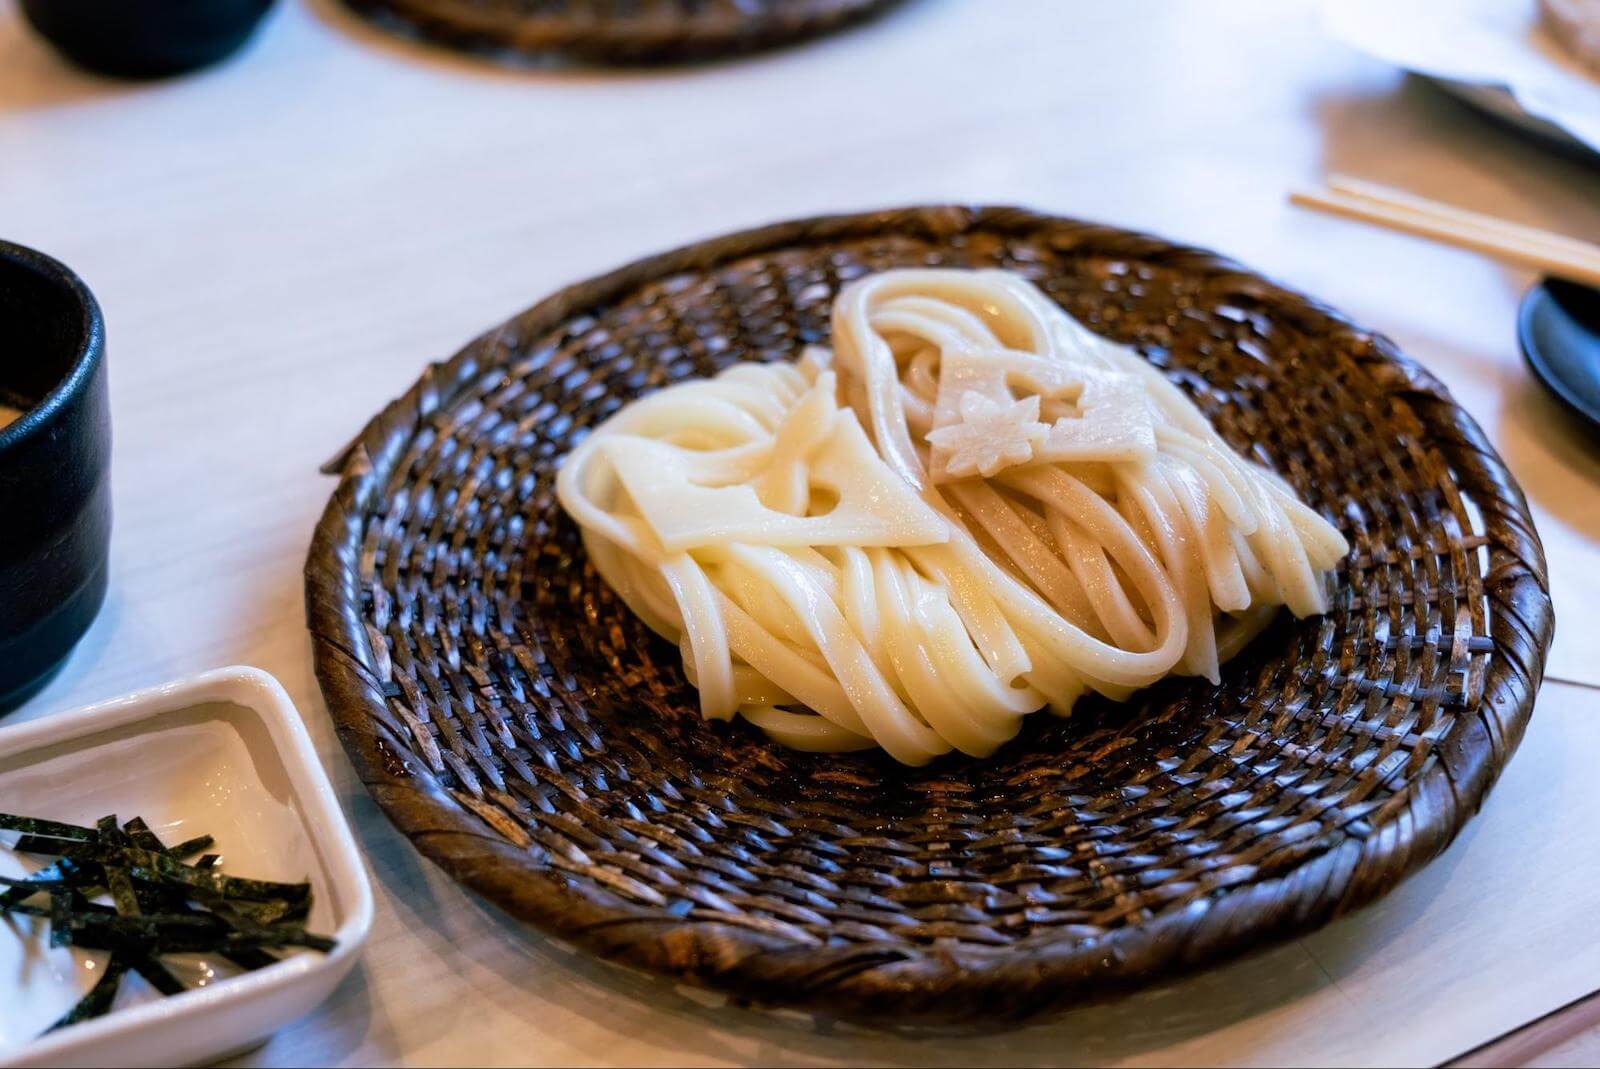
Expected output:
{"points": [[90, 349]]}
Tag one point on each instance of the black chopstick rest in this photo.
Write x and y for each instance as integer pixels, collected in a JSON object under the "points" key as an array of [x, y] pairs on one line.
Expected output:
{"points": [[55, 460], [145, 38]]}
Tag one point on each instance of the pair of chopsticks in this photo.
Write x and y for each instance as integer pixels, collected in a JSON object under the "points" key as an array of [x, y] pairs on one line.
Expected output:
{"points": [[1554, 254]]}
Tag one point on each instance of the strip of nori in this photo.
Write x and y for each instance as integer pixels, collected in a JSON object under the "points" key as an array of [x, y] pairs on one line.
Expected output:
{"points": [[250, 958], [241, 914], [99, 998], [159, 976], [60, 917], [119, 885], [29, 911], [194, 932], [62, 874], [190, 847], [157, 868], [143, 925], [49, 829], [141, 835], [38, 844], [98, 936], [74, 904], [254, 916]]}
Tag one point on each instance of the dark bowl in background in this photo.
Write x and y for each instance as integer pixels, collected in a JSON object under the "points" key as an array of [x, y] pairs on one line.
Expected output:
{"points": [[55, 460], [145, 38], [1558, 327]]}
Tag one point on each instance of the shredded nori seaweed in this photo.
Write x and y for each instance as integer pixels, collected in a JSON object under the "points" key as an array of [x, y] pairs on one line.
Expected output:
{"points": [[160, 904], [153, 867], [190, 847]]}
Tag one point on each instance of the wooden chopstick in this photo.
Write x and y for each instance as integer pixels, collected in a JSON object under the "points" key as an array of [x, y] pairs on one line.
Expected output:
{"points": [[1553, 254], [1394, 198]]}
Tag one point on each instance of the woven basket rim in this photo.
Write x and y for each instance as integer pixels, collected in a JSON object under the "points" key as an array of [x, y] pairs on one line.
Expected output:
{"points": [[460, 23], [897, 981]]}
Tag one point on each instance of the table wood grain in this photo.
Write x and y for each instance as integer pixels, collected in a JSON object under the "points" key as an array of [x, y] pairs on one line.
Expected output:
{"points": [[280, 245]]}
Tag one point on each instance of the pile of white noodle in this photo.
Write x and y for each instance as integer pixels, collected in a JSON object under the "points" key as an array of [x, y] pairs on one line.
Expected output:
{"points": [[1007, 511]]}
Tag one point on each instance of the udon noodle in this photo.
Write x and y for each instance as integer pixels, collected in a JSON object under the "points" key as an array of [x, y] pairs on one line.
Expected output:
{"points": [[973, 508]]}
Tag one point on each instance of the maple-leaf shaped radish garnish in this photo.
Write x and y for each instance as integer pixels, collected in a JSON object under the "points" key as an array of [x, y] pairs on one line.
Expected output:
{"points": [[992, 435]]}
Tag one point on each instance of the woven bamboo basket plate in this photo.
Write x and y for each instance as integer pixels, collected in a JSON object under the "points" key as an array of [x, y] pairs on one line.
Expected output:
{"points": [[537, 742], [617, 31]]}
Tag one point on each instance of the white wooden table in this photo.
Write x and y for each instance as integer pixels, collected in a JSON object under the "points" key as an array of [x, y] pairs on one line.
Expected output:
{"points": [[282, 243]]}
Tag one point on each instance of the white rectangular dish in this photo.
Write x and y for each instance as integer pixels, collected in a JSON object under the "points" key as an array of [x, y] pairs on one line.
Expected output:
{"points": [[224, 754]]}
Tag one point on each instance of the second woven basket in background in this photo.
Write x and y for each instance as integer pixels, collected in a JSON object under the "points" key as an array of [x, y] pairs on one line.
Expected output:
{"points": [[616, 31]]}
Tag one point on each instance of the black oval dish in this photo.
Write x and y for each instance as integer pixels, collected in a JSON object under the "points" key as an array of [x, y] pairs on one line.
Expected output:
{"points": [[1558, 328], [55, 491], [145, 38]]}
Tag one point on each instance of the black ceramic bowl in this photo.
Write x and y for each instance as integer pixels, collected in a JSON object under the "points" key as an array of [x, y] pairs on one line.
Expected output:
{"points": [[1559, 329], [55, 459], [145, 38]]}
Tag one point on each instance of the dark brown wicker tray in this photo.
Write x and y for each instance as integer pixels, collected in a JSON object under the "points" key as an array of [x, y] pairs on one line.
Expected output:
{"points": [[537, 742], [617, 31]]}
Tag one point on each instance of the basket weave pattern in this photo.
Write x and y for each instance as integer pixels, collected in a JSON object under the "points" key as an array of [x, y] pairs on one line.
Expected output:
{"points": [[621, 31], [534, 739]]}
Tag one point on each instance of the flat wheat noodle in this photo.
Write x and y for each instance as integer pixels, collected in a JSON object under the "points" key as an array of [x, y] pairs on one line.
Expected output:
{"points": [[971, 509]]}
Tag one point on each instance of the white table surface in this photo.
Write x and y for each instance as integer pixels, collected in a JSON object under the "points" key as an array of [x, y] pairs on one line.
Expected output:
{"points": [[280, 245]]}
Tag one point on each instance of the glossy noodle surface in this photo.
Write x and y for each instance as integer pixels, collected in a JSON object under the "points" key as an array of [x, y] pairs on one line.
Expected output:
{"points": [[971, 509]]}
